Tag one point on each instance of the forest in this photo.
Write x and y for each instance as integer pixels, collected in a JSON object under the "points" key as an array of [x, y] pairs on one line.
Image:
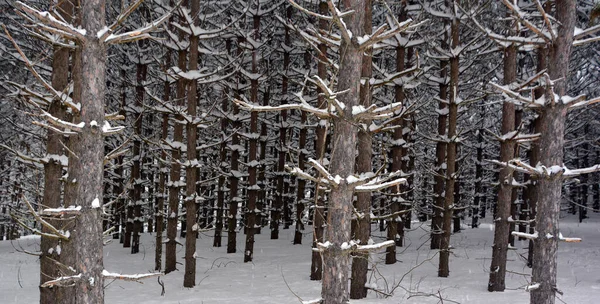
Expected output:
{"points": [[369, 151]]}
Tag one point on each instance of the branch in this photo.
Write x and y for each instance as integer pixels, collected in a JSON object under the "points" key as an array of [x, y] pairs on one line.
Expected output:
{"points": [[62, 281], [48, 19], [130, 277]]}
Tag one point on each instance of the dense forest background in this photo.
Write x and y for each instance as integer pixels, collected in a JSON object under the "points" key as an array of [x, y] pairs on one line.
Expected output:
{"points": [[236, 118]]}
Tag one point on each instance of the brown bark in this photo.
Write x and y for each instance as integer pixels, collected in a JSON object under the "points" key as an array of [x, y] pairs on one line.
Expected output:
{"points": [[136, 170], [160, 200], [316, 266], [444, 270], [361, 230], [551, 142], [507, 149], [253, 163], [53, 169], [175, 175], [191, 171], [440, 152]]}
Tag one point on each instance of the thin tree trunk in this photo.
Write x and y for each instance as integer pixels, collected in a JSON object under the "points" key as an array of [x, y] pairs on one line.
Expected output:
{"points": [[53, 169], [444, 269], [191, 170], [316, 266], [253, 163], [362, 225], [136, 170], [507, 149], [175, 175]]}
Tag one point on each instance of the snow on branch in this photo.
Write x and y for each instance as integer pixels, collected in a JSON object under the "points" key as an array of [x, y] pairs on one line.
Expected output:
{"points": [[130, 277], [51, 23], [71, 210], [334, 181], [532, 287], [374, 112], [525, 235], [314, 301], [576, 172], [303, 106], [62, 281], [301, 174], [568, 239], [122, 16], [373, 247], [523, 18], [369, 187], [56, 232], [30, 66], [137, 34]]}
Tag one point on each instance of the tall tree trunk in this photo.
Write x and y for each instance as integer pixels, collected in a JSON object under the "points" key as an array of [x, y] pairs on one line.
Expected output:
{"points": [[53, 169], [344, 139], [361, 229], [316, 266], [175, 174], [191, 170], [444, 269], [440, 152], [85, 251], [136, 170], [160, 201], [253, 163], [507, 149], [549, 188]]}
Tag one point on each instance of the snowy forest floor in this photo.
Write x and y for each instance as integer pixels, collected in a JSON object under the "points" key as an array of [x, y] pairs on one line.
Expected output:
{"points": [[280, 270]]}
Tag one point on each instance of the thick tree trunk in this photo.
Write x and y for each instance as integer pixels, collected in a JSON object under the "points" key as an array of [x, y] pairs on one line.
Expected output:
{"points": [[84, 253], [552, 118], [507, 149], [344, 139]]}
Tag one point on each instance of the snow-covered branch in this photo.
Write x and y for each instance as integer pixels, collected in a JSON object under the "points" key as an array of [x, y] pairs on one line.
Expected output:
{"points": [[62, 281], [525, 235], [130, 277], [52, 24], [137, 34], [303, 106]]}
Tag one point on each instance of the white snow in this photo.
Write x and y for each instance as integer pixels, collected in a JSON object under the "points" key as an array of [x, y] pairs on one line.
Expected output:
{"points": [[224, 278], [96, 203]]}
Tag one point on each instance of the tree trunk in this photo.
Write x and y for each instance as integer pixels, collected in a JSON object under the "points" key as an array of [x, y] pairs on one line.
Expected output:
{"points": [[552, 118], [344, 139], [316, 266], [253, 163], [175, 175], [191, 170], [136, 170], [444, 270], [507, 149], [53, 169], [361, 229]]}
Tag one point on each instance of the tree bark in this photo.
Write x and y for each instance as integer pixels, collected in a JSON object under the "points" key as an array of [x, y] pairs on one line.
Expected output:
{"points": [[548, 189], [507, 148], [444, 270], [361, 230], [344, 139]]}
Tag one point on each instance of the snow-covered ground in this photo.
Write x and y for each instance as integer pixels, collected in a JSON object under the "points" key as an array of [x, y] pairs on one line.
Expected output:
{"points": [[280, 271]]}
